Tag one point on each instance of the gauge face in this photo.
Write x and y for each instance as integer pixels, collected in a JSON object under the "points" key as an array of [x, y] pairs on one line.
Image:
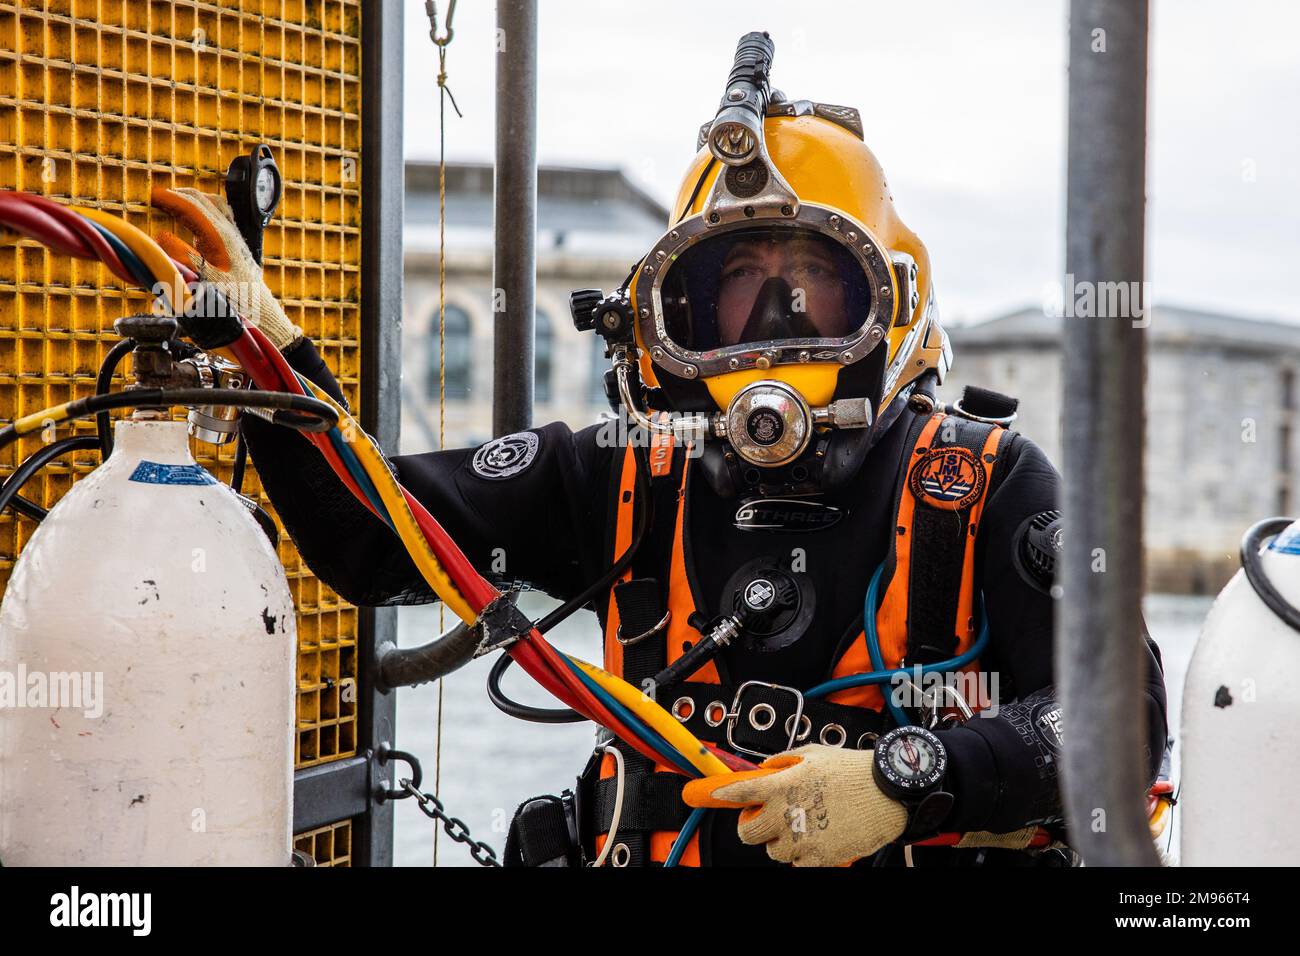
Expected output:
{"points": [[912, 760], [264, 189]]}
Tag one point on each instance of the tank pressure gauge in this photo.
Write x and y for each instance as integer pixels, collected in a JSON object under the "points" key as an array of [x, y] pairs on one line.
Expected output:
{"points": [[253, 188]]}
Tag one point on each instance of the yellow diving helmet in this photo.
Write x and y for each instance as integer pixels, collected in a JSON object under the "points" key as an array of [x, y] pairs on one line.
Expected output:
{"points": [[787, 310]]}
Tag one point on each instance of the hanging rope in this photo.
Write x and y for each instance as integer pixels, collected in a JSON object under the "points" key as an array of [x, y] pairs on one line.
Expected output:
{"points": [[444, 94]]}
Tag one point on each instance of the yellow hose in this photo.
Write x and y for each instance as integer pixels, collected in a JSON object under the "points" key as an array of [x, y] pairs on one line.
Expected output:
{"points": [[1159, 816], [659, 720], [38, 420], [398, 510], [150, 253], [646, 709]]}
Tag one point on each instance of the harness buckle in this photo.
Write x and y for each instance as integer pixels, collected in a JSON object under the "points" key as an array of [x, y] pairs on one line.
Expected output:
{"points": [[762, 716]]}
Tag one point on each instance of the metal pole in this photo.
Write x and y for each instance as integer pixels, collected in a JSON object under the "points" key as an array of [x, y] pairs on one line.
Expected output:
{"points": [[382, 187], [515, 213], [1099, 634]]}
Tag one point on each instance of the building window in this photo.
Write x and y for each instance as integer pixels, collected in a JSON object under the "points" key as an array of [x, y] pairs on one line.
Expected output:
{"points": [[542, 357], [1284, 449], [456, 330], [1288, 389]]}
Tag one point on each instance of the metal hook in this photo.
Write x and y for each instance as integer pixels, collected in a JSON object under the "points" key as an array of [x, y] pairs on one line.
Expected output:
{"points": [[431, 9]]}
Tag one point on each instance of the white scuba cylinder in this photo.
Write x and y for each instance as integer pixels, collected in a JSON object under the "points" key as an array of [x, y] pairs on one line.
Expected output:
{"points": [[147, 661], [1241, 724]]}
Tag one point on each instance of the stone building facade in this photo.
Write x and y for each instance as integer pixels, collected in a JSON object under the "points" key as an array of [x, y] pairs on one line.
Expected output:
{"points": [[1221, 415], [592, 226]]}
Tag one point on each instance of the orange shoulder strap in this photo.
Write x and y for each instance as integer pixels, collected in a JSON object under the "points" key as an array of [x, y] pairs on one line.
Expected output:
{"points": [[927, 612]]}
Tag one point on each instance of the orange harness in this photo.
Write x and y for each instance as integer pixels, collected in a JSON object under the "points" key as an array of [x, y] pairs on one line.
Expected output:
{"points": [[940, 499]]}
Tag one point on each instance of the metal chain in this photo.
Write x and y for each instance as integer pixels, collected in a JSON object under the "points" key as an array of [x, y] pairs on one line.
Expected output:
{"points": [[455, 828]]}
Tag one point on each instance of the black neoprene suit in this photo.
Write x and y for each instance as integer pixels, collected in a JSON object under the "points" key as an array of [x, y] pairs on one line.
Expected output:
{"points": [[552, 522]]}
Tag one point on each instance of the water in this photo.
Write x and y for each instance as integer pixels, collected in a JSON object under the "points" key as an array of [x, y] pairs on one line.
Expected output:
{"points": [[491, 763]]}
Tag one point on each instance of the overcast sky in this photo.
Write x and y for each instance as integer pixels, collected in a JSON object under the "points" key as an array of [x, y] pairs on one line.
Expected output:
{"points": [[974, 140]]}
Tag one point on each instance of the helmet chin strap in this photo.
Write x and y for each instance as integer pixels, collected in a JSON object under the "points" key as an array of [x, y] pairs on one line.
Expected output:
{"points": [[773, 316]]}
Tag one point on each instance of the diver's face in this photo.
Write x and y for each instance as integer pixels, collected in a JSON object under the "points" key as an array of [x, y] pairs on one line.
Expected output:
{"points": [[809, 272]]}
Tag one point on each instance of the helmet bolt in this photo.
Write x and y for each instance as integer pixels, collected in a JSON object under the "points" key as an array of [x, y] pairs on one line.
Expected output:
{"points": [[787, 210], [690, 371]]}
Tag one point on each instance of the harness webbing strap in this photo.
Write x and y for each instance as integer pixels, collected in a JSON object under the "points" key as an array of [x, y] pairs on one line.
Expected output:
{"points": [[927, 610], [946, 537], [637, 606]]}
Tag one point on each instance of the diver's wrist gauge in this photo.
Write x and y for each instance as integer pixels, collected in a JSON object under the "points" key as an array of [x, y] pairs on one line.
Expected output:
{"points": [[253, 188], [909, 763]]}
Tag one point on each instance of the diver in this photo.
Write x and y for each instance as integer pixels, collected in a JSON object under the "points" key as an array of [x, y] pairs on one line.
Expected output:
{"points": [[805, 516]]}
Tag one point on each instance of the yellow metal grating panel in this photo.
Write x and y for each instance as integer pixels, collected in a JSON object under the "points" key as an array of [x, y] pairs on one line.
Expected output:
{"points": [[329, 845], [100, 100]]}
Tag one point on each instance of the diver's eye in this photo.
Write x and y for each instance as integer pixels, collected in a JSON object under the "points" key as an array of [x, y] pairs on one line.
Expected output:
{"points": [[740, 272]]}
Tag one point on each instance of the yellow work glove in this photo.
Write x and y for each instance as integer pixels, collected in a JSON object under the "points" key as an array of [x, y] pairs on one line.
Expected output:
{"points": [[221, 258], [815, 806]]}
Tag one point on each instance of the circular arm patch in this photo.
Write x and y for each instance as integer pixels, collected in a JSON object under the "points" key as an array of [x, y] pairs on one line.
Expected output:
{"points": [[506, 456]]}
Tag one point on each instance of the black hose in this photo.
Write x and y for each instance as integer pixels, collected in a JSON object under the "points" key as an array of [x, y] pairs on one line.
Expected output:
{"points": [[264, 520], [103, 423], [699, 654], [408, 666], [300, 412], [512, 708], [39, 459], [565, 715], [241, 463], [1253, 565]]}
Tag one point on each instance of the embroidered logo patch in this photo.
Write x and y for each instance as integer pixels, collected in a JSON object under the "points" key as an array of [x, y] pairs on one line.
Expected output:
{"points": [[947, 477], [506, 456]]}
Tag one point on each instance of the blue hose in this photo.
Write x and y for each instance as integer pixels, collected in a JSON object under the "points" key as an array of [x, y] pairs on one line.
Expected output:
{"points": [[882, 676], [143, 277], [878, 676], [684, 836], [667, 751]]}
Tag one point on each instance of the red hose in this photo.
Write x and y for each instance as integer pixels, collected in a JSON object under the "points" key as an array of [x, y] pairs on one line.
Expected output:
{"points": [[65, 231], [38, 224], [270, 370], [97, 247], [533, 652]]}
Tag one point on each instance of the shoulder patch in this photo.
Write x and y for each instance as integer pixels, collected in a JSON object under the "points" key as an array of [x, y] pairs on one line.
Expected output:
{"points": [[506, 457], [947, 477]]}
